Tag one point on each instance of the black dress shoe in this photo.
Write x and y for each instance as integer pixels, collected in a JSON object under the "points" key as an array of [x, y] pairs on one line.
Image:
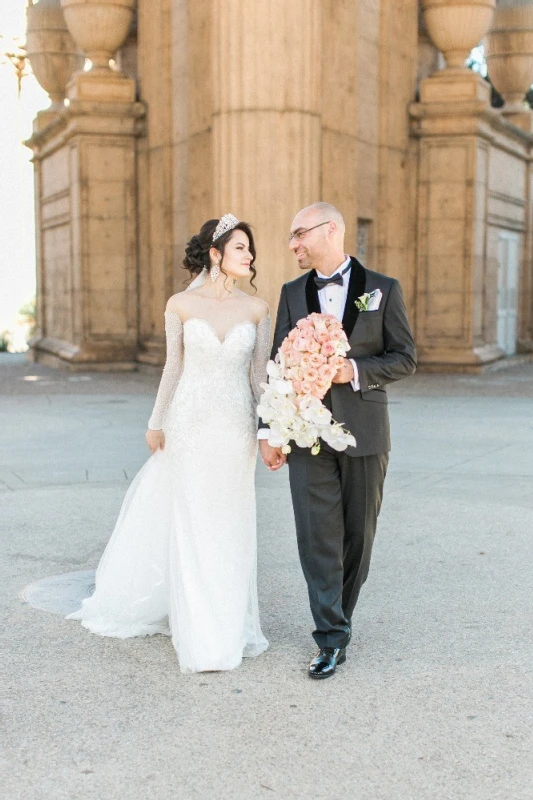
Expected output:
{"points": [[325, 662]]}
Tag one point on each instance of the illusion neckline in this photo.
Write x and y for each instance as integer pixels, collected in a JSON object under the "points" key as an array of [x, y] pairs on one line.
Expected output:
{"points": [[212, 328]]}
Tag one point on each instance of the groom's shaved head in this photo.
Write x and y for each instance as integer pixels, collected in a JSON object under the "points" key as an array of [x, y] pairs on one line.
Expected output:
{"points": [[324, 211], [317, 237]]}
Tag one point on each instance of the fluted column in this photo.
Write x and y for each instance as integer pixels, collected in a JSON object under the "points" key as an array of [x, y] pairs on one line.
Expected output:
{"points": [[340, 119], [266, 120]]}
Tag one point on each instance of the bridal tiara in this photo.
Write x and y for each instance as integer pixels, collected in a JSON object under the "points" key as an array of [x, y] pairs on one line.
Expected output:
{"points": [[225, 224]]}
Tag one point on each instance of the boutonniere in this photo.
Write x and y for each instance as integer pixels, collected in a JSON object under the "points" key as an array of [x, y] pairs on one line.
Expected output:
{"points": [[369, 301]]}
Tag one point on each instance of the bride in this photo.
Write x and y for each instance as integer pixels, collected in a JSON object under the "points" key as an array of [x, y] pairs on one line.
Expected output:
{"points": [[182, 558]]}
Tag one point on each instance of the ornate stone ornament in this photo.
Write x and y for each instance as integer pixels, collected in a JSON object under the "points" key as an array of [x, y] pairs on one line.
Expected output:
{"points": [[509, 52], [457, 26], [52, 51], [99, 27]]}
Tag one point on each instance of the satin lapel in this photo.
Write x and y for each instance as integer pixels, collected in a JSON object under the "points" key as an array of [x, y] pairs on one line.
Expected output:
{"points": [[356, 288], [311, 294]]}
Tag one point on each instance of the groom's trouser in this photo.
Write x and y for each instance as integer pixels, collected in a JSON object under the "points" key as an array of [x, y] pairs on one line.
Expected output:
{"points": [[336, 500]]}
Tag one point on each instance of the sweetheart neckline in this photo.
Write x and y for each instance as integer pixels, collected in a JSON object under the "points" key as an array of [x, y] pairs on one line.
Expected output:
{"points": [[212, 328]]}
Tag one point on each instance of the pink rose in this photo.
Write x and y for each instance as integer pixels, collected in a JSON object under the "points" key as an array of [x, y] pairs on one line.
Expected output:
{"points": [[328, 349], [286, 347], [322, 386], [310, 374], [313, 347], [306, 387], [325, 372], [317, 359], [300, 343]]}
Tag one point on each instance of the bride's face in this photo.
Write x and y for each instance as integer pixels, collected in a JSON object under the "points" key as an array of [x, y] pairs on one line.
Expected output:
{"points": [[237, 256]]}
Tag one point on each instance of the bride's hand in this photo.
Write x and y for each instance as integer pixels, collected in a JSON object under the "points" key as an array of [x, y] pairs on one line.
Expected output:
{"points": [[155, 440], [272, 457]]}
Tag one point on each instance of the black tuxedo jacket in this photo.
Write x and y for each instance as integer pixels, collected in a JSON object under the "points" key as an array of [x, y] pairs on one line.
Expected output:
{"points": [[381, 343]]}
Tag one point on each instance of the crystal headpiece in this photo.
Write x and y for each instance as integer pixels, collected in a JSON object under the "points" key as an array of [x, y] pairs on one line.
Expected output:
{"points": [[225, 224]]}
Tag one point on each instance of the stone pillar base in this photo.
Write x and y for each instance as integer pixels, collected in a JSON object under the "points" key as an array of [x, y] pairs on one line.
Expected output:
{"points": [[476, 369], [454, 86], [522, 119], [102, 87], [87, 314], [45, 118], [61, 354], [153, 352], [454, 359]]}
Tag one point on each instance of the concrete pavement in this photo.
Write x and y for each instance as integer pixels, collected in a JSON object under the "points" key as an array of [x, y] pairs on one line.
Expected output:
{"points": [[434, 701]]}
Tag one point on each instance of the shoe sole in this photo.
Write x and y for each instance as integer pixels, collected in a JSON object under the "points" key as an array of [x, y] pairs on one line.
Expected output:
{"points": [[319, 677]]}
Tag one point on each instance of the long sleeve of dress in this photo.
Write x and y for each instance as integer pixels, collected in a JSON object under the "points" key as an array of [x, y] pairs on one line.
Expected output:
{"points": [[172, 371], [260, 356]]}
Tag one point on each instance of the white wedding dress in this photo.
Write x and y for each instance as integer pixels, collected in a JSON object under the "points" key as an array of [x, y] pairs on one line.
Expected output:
{"points": [[182, 558]]}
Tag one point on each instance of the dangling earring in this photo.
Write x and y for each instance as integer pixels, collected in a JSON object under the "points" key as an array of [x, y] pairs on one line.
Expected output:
{"points": [[215, 271]]}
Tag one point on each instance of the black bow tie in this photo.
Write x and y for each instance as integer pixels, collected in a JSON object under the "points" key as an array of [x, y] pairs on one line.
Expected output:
{"points": [[337, 278]]}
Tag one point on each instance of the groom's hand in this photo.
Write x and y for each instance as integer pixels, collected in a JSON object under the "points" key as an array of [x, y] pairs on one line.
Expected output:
{"points": [[272, 457], [345, 374]]}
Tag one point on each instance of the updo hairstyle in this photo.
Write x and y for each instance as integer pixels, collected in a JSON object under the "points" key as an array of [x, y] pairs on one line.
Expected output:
{"points": [[198, 247]]}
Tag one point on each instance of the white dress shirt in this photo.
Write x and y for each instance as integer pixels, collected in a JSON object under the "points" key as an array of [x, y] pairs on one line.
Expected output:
{"points": [[332, 299]]}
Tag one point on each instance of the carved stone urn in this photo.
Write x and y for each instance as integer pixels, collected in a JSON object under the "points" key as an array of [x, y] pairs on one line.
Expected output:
{"points": [[457, 26], [509, 52], [99, 27], [52, 51]]}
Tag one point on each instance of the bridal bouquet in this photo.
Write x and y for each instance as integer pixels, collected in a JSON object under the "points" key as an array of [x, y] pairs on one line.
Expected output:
{"points": [[298, 379]]}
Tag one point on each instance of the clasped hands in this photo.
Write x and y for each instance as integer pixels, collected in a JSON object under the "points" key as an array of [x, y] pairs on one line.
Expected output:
{"points": [[272, 457]]}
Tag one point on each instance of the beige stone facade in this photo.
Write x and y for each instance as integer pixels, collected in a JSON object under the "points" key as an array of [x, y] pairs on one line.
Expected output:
{"points": [[260, 108]]}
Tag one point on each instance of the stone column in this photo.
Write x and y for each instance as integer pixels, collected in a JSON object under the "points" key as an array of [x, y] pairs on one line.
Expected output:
{"points": [[341, 122], [266, 74], [85, 171], [156, 191], [453, 164], [398, 24]]}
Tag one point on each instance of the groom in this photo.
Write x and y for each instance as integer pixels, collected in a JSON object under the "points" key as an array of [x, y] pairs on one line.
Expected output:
{"points": [[336, 496]]}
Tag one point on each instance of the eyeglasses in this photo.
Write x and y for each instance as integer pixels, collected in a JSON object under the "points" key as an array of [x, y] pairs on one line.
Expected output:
{"points": [[300, 234]]}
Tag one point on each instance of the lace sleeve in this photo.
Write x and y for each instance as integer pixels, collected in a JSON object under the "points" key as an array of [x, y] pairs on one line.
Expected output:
{"points": [[260, 356], [172, 371]]}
